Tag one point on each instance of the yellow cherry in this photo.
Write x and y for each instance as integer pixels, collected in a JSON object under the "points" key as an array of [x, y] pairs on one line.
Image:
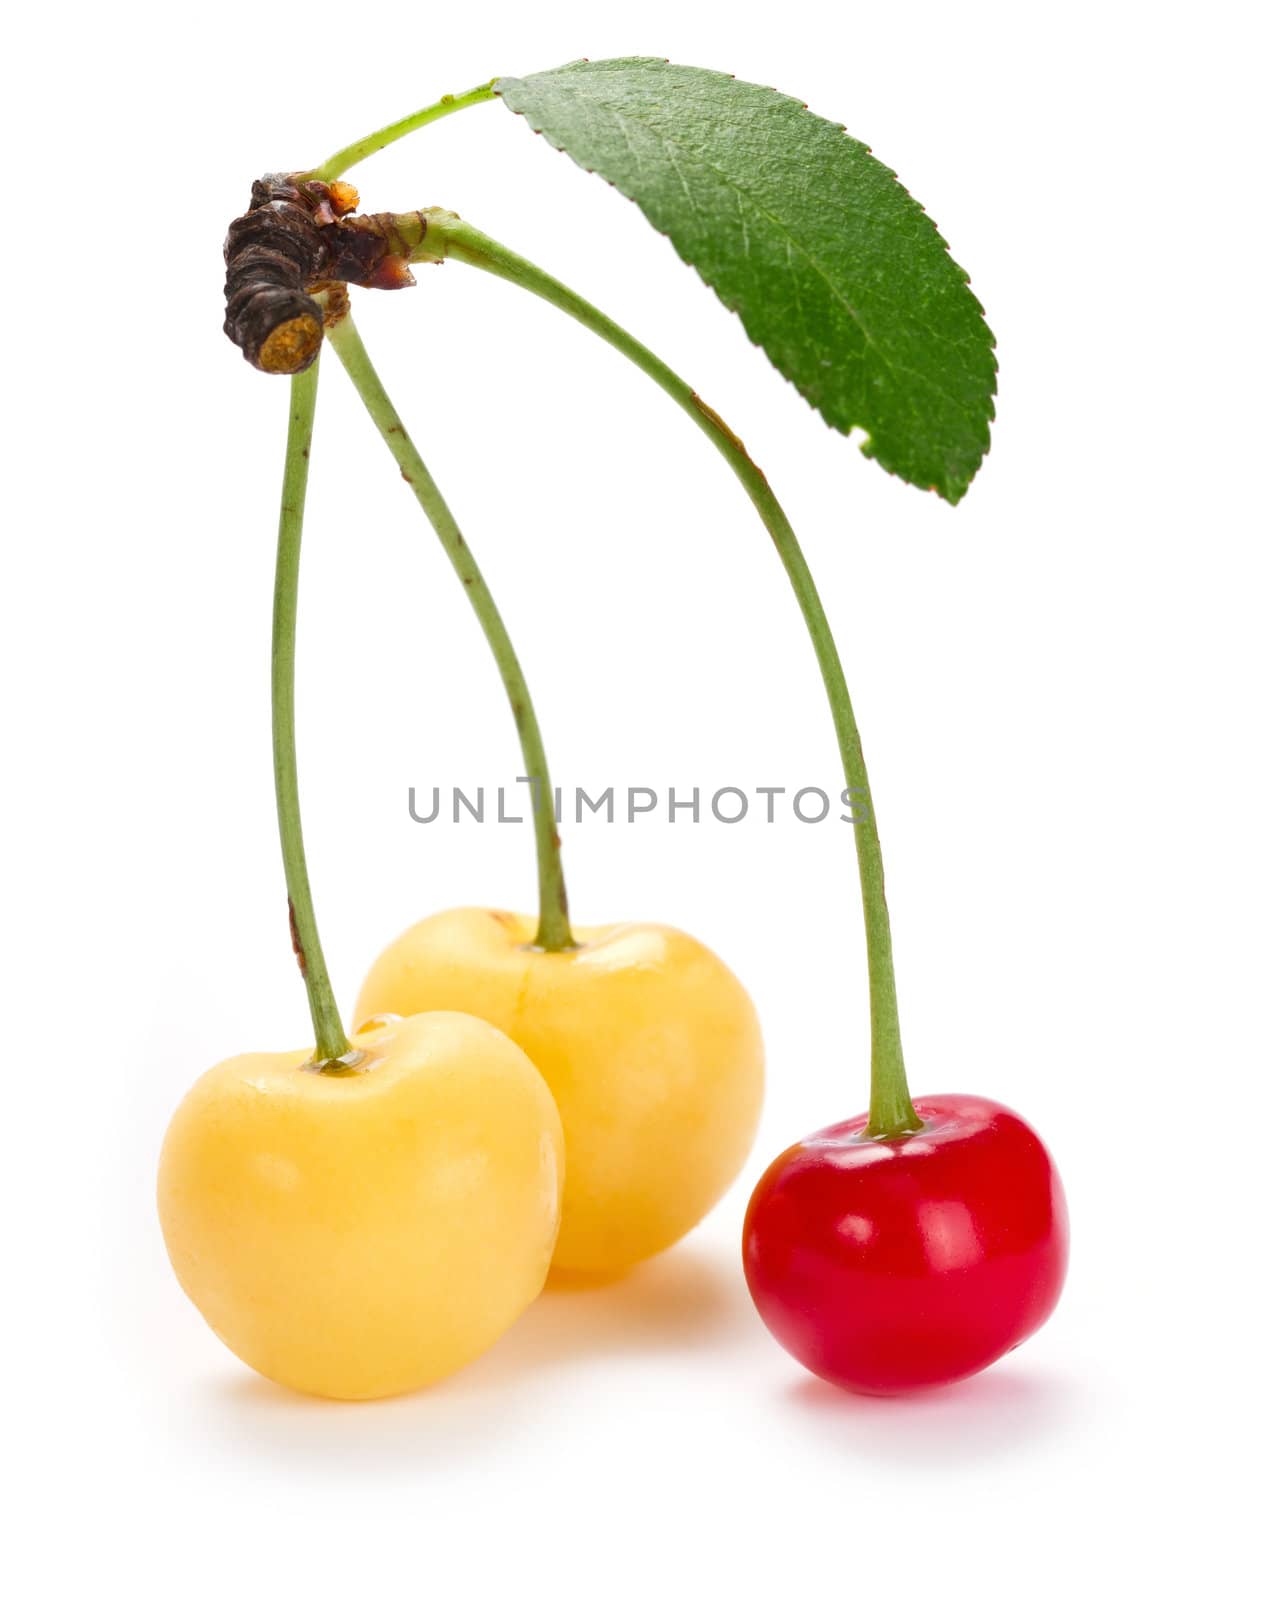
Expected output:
{"points": [[365, 1231], [649, 1044]]}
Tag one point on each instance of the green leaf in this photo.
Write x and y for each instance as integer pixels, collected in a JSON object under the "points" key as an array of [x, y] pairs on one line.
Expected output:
{"points": [[835, 271]]}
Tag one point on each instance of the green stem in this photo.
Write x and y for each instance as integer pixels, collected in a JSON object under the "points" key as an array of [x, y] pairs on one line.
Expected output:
{"points": [[328, 1031], [890, 1111], [554, 931], [335, 166]]}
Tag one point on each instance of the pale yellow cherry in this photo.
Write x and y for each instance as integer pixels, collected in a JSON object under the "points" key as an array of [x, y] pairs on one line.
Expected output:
{"points": [[649, 1044], [362, 1232]]}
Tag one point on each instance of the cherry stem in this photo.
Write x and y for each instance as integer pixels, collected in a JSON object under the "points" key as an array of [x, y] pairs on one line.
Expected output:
{"points": [[554, 930], [328, 1030], [335, 166], [891, 1112]]}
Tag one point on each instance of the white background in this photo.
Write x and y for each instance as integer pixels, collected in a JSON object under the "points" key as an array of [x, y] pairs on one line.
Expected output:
{"points": [[1061, 687]]}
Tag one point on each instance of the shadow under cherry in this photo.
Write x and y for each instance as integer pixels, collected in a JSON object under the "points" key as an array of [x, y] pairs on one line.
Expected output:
{"points": [[683, 1302], [1008, 1409]]}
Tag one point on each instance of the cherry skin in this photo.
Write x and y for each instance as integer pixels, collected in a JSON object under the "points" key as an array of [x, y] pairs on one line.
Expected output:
{"points": [[890, 1265]]}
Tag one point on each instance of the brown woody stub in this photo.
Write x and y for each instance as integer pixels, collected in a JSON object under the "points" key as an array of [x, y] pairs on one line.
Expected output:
{"points": [[298, 234]]}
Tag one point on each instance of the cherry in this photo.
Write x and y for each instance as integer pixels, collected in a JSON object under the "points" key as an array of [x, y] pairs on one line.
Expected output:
{"points": [[888, 1265], [360, 1228], [649, 1045]]}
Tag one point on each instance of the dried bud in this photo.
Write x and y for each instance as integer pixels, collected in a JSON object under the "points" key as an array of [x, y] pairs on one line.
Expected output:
{"points": [[296, 234]]}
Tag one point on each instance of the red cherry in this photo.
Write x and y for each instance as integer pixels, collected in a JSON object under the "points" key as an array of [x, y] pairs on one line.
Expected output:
{"points": [[887, 1265]]}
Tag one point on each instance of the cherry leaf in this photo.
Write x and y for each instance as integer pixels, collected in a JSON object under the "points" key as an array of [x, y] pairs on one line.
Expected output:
{"points": [[835, 271]]}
